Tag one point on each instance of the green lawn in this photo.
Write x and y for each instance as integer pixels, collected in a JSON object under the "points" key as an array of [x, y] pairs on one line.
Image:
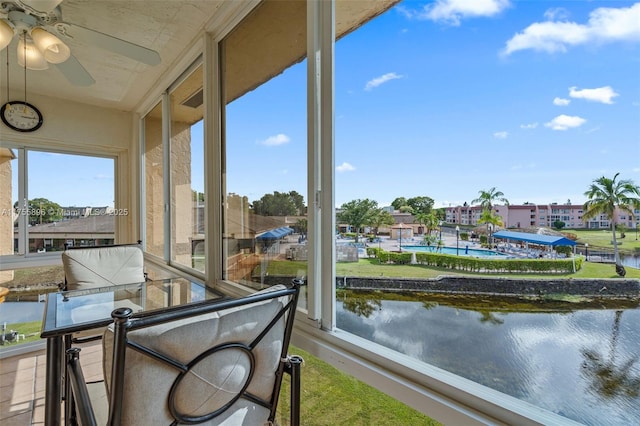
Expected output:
{"points": [[330, 397], [371, 268], [603, 238], [31, 331]]}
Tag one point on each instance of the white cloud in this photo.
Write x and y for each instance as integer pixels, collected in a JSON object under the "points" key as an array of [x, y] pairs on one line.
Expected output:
{"points": [[556, 13], [381, 80], [345, 167], [565, 122], [601, 94], [561, 101], [453, 11], [605, 25], [279, 139], [501, 135], [529, 126]]}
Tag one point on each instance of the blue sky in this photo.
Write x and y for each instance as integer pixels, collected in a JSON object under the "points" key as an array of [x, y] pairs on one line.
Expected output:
{"points": [[443, 99], [447, 98]]}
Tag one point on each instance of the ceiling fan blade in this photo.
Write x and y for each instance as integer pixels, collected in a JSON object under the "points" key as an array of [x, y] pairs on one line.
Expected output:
{"points": [[105, 41], [73, 71], [42, 6]]}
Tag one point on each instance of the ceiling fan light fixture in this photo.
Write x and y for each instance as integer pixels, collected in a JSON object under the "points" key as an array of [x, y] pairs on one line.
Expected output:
{"points": [[31, 56], [53, 49], [6, 34]]}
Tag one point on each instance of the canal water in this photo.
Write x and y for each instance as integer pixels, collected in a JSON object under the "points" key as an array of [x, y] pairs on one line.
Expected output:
{"points": [[581, 364]]}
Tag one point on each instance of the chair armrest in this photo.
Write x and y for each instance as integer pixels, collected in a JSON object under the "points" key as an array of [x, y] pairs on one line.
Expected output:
{"points": [[79, 390]]}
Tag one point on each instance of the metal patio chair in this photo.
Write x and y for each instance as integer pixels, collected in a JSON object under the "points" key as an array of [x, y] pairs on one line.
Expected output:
{"points": [[216, 362], [102, 266]]}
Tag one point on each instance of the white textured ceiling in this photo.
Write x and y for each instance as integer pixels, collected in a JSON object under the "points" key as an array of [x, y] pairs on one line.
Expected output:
{"points": [[162, 25], [166, 26]]}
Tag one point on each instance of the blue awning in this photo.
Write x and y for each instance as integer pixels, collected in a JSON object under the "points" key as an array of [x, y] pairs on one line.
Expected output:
{"points": [[547, 240], [275, 234]]}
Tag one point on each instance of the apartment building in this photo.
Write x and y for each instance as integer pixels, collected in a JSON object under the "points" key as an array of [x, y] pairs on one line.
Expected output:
{"points": [[534, 215]]}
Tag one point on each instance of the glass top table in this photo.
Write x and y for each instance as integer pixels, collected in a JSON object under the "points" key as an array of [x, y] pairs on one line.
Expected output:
{"points": [[74, 311], [78, 310]]}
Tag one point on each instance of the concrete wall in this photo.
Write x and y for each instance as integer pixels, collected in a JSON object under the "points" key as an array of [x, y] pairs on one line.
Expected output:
{"points": [[498, 286]]}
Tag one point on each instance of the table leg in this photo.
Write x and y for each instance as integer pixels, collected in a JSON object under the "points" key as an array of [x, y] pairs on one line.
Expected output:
{"points": [[52, 398]]}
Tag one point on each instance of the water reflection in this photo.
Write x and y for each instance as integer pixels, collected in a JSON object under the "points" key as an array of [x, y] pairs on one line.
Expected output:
{"points": [[611, 376], [581, 364]]}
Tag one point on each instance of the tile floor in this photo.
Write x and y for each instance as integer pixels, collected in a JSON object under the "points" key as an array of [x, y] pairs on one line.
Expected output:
{"points": [[22, 384]]}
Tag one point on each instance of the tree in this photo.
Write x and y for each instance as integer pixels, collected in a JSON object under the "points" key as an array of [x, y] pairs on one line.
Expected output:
{"points": [[558, 224], [604, 197], [40, 210], [429, 220], [298, 201], [420, 204], [398, 203], [381, 217], [279, 204], [358, 213], [300, 227], [486, 199], [490, 218]]}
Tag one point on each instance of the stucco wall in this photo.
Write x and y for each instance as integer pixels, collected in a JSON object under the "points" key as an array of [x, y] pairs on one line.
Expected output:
{"points": [[6, 218]]}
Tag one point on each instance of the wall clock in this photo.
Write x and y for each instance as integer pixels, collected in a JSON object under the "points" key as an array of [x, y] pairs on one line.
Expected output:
{"points": [[21, 116]]}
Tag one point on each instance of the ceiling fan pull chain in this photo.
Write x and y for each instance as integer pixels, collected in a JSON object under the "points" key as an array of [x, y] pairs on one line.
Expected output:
{"points": [[8, 100], [25, 67]]}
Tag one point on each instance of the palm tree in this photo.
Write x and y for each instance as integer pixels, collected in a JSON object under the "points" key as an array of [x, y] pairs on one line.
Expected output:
{"points": [[490, 218], [486, 199], [604, 196], [429, 220]]}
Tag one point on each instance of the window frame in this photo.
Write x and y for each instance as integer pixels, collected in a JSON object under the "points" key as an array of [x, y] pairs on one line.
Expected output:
{"points": [[25, 259]]}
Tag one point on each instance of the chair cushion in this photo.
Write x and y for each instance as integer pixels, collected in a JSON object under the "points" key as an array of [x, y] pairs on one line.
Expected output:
{"points": [[212, 380], [103, 266]]}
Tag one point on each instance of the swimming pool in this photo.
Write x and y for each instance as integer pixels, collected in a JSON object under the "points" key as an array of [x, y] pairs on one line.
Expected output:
{"points": [[462, 251]]}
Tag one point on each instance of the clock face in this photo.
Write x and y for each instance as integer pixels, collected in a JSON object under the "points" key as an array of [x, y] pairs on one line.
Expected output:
{"points": [[21, 116]]}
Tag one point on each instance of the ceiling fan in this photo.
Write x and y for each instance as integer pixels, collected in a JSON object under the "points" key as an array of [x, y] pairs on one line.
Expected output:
{"points": [[40, 30]]}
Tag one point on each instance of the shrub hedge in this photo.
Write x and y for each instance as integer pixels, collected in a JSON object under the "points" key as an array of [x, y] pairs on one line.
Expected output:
{"points": [[474, 264]]}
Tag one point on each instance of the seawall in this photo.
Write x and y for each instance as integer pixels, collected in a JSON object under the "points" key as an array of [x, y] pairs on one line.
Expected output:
{"points": [[501, 286]]}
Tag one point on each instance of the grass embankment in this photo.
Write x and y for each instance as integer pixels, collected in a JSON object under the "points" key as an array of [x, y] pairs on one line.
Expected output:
{"points": [[330, 397], [371, 268], [602, 238]]}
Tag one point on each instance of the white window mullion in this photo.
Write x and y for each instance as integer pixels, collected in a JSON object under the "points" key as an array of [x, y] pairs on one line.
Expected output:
{"points": [[320, 77], [213, 107]]}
